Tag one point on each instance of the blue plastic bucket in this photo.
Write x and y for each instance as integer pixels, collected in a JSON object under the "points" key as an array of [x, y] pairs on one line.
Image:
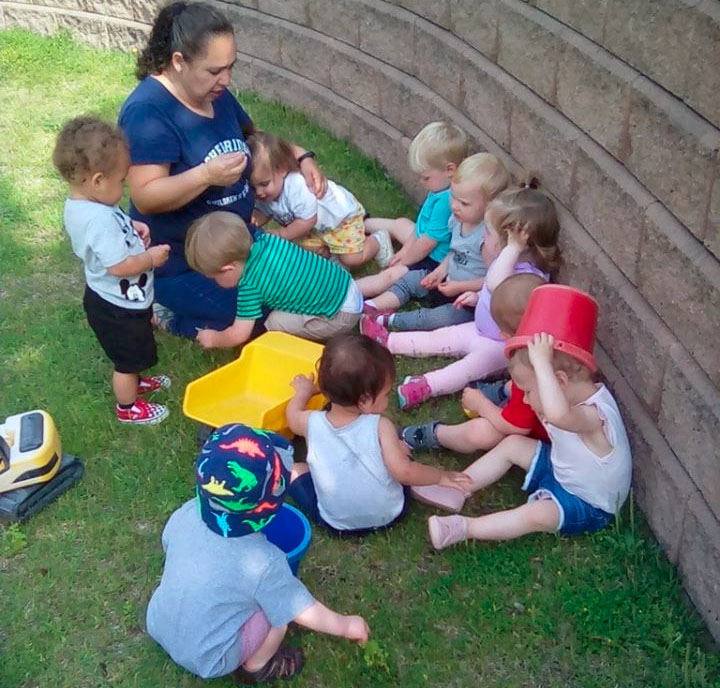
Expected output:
{"points": [[291, 532]]}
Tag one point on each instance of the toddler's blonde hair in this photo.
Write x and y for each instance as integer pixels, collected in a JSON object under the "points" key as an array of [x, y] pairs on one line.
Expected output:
{"points": [[486, 171], [216, 240], [525, 207], [436, 145]]}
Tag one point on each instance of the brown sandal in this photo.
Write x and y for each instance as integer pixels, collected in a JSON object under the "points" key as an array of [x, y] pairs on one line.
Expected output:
{"points": [[287, 662]]}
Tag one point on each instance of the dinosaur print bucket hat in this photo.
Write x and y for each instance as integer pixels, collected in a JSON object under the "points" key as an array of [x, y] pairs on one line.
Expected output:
{"points": [[241, 478]]}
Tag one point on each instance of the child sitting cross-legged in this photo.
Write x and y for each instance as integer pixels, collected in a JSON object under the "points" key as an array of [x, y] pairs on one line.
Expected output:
{"points": [[331, 223], [492, 423], [478, 179], [92, 156], [576, 484], [309, 296], [356, 466], [434, 155], [227, 594]]}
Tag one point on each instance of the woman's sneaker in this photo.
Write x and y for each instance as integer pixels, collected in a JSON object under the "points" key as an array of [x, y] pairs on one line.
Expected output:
{"points": [[386, 252], [154, 383], [413, 391], [142, 413]]}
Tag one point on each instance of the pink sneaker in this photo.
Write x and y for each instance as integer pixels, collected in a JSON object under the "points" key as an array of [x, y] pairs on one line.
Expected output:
{"points": [[154, 383], [142, 413], [413, 391], [374, 330], [448, 498], [379, 315], [447, 530]]}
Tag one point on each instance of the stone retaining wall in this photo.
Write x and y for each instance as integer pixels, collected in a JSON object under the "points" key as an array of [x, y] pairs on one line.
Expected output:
{"points": [[615, 103]]}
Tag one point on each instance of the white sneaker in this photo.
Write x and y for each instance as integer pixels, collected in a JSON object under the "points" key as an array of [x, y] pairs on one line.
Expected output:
{"points": [[386, 252]]}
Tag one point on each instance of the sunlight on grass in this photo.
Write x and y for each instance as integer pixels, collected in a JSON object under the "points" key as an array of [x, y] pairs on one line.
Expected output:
{"points": [[601, 610]]}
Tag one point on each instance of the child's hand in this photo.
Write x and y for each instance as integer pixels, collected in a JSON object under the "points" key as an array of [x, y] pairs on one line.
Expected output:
{"points": [[143, 231], [432, 279], [460, 481], [304, 385], [518, 237], [207, 339], [540, 349], [159, 254], [447, 288], [357, 629], [396, 259], [475, 400], [468, 299], [225, 169]]}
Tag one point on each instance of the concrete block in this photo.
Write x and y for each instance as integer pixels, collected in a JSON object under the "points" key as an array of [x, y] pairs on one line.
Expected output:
{"points": [[256, 34], [672, 152], [661, 485], [486, 102], [337, 18], [242, 75], [388, 34], [353, 77], [292, 10], [592, 91], [651, 35], [307, 54], [580, 252], [123, 9], [529, 47], [585, 16], [475, 21], [89, 30], [610, 204], [702, 86], [431, 10], [699, 562], [407, 105], [37, 22], [689, 419], [711, 235], [544, 141], [681, 281], [126, 37], [631, 333], [436, 56], [145, 11]]}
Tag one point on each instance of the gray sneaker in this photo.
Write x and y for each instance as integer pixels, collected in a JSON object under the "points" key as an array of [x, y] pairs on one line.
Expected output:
{"points": [[162, 316], [421, 436]]}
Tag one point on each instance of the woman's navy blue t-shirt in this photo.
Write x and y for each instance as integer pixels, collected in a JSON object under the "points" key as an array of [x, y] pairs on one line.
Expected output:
{"points": [[160, 130]]}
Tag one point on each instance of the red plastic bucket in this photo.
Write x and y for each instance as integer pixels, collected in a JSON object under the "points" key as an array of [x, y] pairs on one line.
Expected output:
{"points": [[568, 314]]}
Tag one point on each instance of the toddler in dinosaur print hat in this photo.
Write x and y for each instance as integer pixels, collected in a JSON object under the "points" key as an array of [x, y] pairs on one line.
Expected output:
{"points": [[227, 593]]}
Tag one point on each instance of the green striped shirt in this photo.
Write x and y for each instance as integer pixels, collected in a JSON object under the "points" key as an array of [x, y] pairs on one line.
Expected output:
{"points": [[285, 277]]}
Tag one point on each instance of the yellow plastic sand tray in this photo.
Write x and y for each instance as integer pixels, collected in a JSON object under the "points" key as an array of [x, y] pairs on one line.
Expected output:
{"points": [[255, 389]]}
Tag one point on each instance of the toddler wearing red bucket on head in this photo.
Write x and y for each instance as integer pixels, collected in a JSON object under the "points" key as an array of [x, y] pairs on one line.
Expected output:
{"points": [[578, 483], [227, 593]]}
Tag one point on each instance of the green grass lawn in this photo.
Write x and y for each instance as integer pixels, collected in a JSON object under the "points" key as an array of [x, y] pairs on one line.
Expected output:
{"points": [[602, 610]]}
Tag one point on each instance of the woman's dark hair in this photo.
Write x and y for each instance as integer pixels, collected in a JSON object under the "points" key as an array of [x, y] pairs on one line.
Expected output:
{"points": [[184, 27], [353, 366]]}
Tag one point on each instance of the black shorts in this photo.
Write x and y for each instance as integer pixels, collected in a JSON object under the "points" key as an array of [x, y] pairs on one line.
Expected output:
{"points": [[125, 335]]}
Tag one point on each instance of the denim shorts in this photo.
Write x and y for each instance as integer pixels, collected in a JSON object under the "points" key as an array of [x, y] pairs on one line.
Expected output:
{"points": [[576, 515]]}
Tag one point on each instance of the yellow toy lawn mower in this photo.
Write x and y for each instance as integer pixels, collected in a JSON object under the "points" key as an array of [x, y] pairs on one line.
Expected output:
{"points": [[33, 469]]}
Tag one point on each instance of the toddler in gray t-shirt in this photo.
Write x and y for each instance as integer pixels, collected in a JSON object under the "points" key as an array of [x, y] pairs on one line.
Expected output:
{"points": [[227, 593]]}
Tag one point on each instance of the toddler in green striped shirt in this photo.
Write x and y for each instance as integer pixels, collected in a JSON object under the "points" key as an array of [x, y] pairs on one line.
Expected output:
{"points": [[307, 295]]}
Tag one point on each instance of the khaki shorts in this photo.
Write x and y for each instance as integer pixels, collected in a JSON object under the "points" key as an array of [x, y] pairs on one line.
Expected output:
{"points": [[349, 237], [315, 327]]}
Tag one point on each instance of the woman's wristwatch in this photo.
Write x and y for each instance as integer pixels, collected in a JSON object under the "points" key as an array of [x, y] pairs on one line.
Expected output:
{"points": [[305, 156]]}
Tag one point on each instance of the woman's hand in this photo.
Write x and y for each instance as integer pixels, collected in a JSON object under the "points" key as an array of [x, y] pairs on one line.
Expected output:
{"points": [[225, 169], [316, 181], [467, 299]]}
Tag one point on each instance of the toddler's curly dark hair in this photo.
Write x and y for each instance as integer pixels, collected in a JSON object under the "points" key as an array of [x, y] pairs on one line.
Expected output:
{"points": [[86, 145]]}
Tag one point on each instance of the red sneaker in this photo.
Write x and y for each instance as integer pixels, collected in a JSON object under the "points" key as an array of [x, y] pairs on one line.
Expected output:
{"points": [[413, 392], [148, 385], [142, 413]]}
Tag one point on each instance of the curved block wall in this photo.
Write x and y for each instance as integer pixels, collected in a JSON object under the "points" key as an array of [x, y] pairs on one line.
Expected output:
{"points": [[616, 104]]}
